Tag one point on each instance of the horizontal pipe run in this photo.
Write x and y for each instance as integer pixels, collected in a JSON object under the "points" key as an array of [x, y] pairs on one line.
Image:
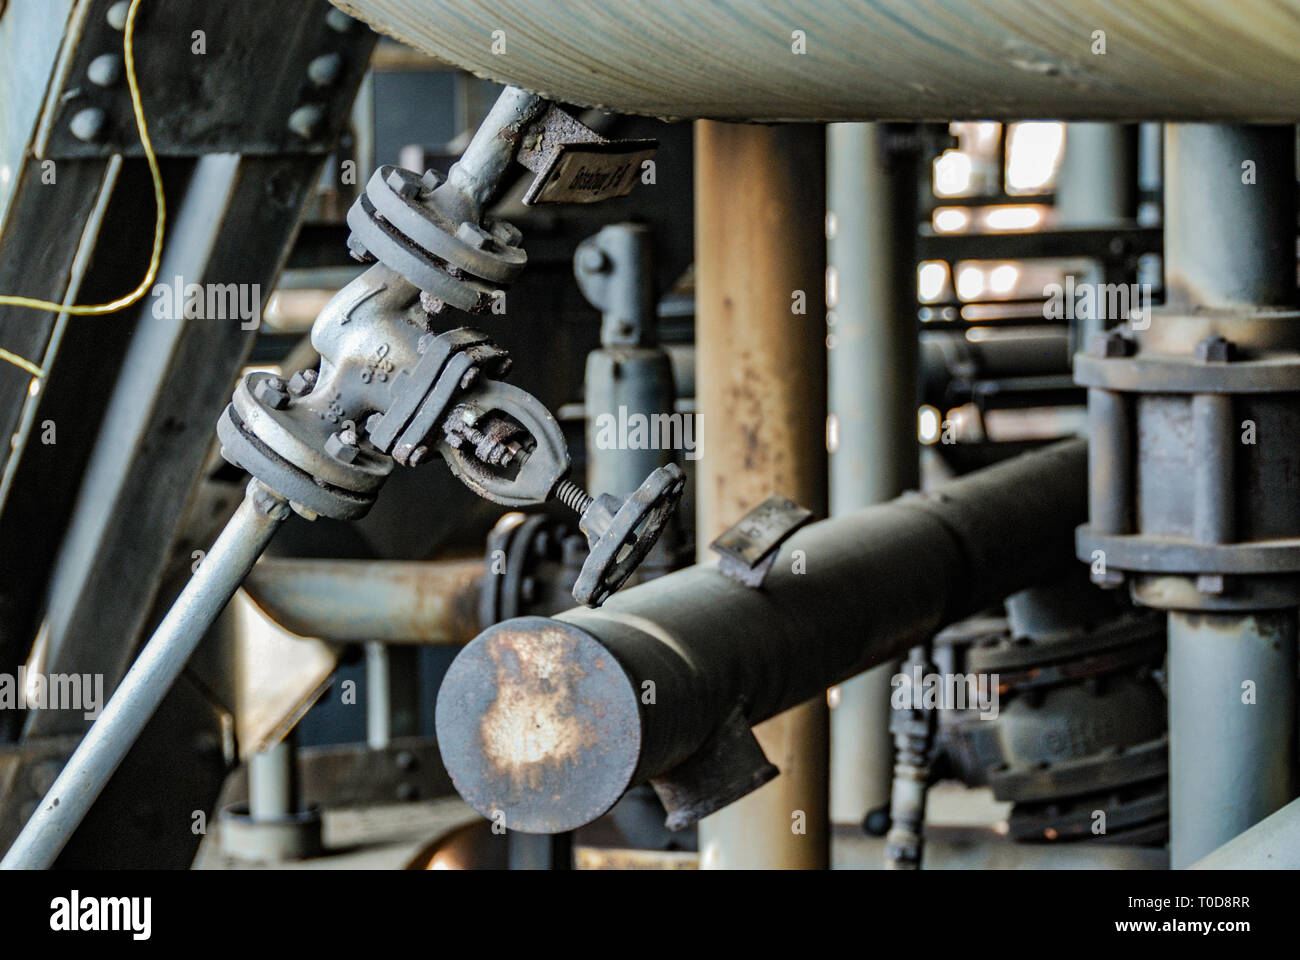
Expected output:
{"points": [[358, 601], [929, 59], [549, 721]]}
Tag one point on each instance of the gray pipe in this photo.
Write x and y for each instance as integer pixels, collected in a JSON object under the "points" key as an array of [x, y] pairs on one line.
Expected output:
{"points": [[1230, 200], [872, 360], [1232, 710], [549, 721], [146, 684], [1230, 224]]}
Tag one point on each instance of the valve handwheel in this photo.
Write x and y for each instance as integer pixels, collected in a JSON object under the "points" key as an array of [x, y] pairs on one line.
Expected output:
{"points": [[620, 535]]}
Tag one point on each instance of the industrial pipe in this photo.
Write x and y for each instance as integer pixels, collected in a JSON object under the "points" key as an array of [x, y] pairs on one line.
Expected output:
{"points": [[546, 722], [361, 601], [760, 267], [871, 219], [929, 59], [146, 684], [1230, 243]]}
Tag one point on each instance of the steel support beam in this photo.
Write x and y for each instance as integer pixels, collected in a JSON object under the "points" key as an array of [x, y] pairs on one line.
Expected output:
{"points": [[760, 253], [549, 721]]}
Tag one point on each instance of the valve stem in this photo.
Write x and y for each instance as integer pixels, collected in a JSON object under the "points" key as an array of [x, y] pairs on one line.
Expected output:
{"points": [[573, 496]]}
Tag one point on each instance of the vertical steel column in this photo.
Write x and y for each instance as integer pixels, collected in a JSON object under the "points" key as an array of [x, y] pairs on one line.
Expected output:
{"points": [[760, 247], [1230, 241], [872, 374]]}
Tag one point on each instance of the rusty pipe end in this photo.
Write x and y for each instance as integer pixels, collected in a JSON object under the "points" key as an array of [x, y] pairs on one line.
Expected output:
{"points": [[539, 726]]}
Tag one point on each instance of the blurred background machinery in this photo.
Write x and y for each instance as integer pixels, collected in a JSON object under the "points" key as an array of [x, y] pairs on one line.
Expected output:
{"points": [[895, 329]]}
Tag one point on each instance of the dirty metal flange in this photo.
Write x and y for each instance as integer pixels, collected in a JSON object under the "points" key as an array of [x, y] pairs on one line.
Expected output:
{"points": [[539, 726]]}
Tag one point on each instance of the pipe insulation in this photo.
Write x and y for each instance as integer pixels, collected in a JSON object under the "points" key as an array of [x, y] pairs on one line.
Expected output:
{"points": [[547, 722], [885, 60]]}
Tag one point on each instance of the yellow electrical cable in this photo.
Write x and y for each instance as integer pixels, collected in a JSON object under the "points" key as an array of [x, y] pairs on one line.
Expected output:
{"points": [[160, 219]]}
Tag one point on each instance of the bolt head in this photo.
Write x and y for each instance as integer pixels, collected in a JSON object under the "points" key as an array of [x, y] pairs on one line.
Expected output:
{"points": [[1214, 349], [1111, 344], [357, 250], [417, 456], [432, 180], [506, 233], [271, 392], [338, 447], [472, 234], [302, 382], [403, 184], [1212, 584]]}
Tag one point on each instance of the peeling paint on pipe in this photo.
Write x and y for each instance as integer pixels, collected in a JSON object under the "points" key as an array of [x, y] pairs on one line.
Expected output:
{"points": [[887, 60]]}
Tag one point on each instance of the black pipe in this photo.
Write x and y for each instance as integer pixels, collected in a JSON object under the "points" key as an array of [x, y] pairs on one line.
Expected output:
{"points": [[544, 723]]}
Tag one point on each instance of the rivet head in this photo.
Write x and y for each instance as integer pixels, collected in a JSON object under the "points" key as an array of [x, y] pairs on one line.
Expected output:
{"points": [[325, 70], [89, 125], [339, 21], [307, 121], [116, 15], [105, 70]]}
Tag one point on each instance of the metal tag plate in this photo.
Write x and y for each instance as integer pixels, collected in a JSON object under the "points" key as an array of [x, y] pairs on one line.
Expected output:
{"points": [[590, 172]]}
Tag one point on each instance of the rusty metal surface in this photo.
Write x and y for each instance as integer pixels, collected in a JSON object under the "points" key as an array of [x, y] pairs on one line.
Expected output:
{"points": [[351, 601], [760, 249], [539, 727], [894, 59]]}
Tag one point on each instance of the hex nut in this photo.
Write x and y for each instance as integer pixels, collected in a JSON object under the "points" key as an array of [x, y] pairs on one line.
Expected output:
{"points": [[303, 382], [1214, 349], [1111, 344], [403, 184], [271, 392], [473, 234], [338, 448]]}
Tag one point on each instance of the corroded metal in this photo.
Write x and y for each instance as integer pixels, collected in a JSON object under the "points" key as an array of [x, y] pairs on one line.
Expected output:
{"points": [[542, 711], [895, 59], [355, 601]]}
